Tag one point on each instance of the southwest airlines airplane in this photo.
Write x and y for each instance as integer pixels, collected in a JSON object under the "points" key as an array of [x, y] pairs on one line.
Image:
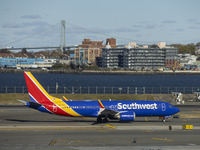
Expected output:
{"points": [[122, 110]]}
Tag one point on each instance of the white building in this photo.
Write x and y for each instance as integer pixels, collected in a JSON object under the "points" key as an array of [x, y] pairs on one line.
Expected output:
{"points": [[187, 59]]}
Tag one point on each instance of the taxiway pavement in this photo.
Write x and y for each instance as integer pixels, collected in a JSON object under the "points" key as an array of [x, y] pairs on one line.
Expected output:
{"points": [[24, 128]]}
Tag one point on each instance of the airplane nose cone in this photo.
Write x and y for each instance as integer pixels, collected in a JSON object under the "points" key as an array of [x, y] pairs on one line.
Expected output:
{"points": [[177, 110]]}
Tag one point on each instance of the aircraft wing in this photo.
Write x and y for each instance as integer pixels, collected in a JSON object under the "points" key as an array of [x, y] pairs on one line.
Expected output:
{"points": [[107, 112], [113, 114]]}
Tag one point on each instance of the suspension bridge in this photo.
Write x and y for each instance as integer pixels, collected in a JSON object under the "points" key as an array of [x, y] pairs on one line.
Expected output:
{"points": [[56, 36], [28, 38]]}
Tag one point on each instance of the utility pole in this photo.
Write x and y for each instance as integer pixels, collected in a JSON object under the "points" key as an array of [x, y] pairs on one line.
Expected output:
{"points": [[62, 45]]}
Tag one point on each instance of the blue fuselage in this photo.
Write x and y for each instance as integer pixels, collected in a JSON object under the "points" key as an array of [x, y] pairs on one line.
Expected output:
{"points": [[140, 108]]}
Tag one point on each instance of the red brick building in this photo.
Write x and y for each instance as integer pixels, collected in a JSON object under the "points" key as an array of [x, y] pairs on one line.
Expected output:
{"points": [[89, 50], [112, 42], [86, 43], [170, 63]]}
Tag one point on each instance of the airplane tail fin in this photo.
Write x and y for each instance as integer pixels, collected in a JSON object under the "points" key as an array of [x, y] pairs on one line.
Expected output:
{"points": [[44, 102], [36, 92]]}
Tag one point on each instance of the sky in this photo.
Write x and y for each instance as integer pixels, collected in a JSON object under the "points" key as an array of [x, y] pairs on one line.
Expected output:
{"points": [[37, 23]]}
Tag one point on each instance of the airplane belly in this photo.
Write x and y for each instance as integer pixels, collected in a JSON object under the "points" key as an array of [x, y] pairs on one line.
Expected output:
{"points": [[87, 112], [147, 113]]}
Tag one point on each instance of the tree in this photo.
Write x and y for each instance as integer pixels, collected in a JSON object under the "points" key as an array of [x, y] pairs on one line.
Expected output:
{"points": [[154, 46], [4, 51], [185, 49], [57, 66], [68, 52], [198, 44], [191, 49], [73, 66], [57, 54], [60, 66]]}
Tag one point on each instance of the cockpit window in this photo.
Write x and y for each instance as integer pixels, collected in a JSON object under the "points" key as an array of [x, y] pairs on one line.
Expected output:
{"points": [[171, 106]]}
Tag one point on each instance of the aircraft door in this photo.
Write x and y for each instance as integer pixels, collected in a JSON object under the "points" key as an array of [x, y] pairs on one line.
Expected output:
{"points": [[163, 107]]}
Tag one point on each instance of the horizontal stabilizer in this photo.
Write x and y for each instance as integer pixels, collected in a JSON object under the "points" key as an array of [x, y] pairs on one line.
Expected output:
{"points": [[22, 101]]}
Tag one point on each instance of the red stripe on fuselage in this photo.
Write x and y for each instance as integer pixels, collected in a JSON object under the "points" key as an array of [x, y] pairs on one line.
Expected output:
{"points": [[34, 90]]}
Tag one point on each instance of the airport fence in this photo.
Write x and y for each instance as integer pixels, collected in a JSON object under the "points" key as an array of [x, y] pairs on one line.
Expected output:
{"points": [[105, 90]]}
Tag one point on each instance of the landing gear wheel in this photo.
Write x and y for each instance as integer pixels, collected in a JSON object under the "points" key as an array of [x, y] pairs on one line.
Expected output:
{"points": [[99, 120], [105, 120]]}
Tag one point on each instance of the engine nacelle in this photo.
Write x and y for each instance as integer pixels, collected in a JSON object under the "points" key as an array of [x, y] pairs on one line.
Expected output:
{"points": [[127, 116]]}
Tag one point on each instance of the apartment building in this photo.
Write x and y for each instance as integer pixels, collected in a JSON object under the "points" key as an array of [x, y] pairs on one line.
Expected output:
{"points": [[139, 58], [89, 50], [87, 55]]}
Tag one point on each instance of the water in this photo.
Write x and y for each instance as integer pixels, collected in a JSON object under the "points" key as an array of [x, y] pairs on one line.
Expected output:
{"points": [[69, 80]]}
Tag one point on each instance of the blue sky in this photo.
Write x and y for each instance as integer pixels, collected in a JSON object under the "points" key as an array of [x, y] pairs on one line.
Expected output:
{"points": [[37, 23]]}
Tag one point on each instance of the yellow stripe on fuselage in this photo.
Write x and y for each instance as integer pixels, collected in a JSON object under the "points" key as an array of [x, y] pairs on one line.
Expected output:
{"points": [[65, 106], [58, 102]]}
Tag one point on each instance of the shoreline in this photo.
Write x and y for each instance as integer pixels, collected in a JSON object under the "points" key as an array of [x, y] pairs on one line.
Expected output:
{"points": [[118, 72]]}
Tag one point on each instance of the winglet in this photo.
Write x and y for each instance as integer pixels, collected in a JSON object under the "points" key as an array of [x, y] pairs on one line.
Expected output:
{"points": [[100, 104], [65, 98]]}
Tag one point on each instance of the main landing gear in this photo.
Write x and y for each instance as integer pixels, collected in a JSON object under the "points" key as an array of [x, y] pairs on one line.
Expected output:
{"points": [[162, 118], [100, 120]]}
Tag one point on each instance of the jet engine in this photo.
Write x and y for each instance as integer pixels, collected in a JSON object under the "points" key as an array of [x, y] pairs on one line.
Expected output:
{"points": [[127, 116]]}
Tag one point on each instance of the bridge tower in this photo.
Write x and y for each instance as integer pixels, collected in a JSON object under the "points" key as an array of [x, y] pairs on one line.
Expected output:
{"points": [[62, 45]]}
